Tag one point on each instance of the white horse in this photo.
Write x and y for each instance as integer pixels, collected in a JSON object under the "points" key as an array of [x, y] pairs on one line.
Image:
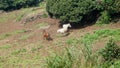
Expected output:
{"points": [[67, 25], [64, 29]]}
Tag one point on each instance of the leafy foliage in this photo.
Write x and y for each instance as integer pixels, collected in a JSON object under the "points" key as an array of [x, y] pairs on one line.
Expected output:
{"points": [[17, 4], [111, 51], [77, 10], [112, 6], [70, 10], [104, 18], [108, 8]]}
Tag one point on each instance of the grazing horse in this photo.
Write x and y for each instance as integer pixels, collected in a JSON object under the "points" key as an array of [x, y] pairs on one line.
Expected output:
{"points": [[64, 29]]}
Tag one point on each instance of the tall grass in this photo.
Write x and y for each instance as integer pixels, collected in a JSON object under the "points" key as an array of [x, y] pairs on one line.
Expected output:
{"points": [[79, 58], [74, 57], [60, 61]]}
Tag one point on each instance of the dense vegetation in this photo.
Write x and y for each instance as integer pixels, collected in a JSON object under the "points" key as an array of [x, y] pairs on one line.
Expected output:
{"points": [[111, 51], [84, 57], [17, 4], [78, 10]]}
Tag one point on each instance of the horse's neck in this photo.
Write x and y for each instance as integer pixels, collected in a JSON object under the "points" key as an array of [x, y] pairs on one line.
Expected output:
{"points": [[65, 28]]}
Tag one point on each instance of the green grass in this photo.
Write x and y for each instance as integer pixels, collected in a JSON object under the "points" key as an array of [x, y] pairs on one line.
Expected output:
{"points": [[2, 20], [25, 12], [6, 46], [16, 52], [42, 25], [5, 35], [45, 15], [5, 17], [21, 57], [36, 48], [24, 37], [79, 53], [72, 41], [99, 34], [58, 43], [79, 57], [89, 39], [30, 12], [21, 61], [72, 57], [22, 13], [19, 15], [15, 15]]}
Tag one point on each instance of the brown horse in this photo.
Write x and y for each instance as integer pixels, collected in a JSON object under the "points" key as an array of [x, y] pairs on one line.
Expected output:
{"points": [[46, 35]]}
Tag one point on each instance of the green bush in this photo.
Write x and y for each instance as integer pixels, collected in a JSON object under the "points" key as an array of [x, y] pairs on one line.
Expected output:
{"points": [[112, 6], [104, 18], [108, 10], [17, 4], [70, 10], [111, 51], [78, 10]]}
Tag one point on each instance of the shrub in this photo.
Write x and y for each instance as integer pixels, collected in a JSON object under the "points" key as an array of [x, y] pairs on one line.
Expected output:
{"points": [[104, 18], [112, 6], [70, 10], [17, 4], [108, 8], [111, 51], [78, 10]]}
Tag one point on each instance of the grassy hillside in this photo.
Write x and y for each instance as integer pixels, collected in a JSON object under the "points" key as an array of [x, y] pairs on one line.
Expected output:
{"points": [[22, 44]]}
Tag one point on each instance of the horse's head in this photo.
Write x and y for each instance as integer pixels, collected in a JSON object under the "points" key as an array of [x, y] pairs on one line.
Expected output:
{"points": [[67, 25]]}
